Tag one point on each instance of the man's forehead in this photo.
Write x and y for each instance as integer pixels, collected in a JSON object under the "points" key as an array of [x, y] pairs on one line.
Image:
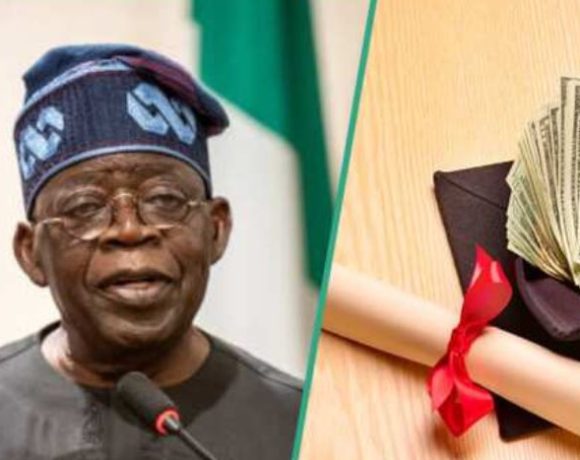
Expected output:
{"points": [[128, 169]]}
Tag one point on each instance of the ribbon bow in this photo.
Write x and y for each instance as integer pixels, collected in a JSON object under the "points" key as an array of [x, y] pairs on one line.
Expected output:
{"points": [[459, 401]]}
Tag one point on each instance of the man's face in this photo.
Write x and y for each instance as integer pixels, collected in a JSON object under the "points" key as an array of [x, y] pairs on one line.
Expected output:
{"points": [[137, 285]]}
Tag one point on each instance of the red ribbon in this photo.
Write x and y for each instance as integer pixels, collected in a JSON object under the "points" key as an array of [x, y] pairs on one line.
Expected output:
{"points": [[459, 401]]}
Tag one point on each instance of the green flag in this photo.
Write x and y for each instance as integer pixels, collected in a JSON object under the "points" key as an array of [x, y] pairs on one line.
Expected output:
{"points": [[259, 55]]}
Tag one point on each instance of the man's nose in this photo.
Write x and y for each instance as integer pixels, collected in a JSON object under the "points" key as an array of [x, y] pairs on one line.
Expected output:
{"points": [[127, 228]]}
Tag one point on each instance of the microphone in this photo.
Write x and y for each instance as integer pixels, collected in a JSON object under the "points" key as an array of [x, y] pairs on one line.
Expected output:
{"points": [[156, 409]]}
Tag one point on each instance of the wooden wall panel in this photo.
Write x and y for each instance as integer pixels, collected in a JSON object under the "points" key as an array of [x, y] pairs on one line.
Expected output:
{"points": [[449, 84]]}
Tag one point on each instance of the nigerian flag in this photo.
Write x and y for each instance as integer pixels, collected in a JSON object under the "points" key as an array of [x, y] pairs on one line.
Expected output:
{"points": [[258, 56]]}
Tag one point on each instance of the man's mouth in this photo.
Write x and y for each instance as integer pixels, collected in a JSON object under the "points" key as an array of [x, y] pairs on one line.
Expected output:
{"points": [[136, 287]]}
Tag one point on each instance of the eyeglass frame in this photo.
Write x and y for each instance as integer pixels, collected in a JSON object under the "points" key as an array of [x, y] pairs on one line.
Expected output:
{"points": [[192, 204]]}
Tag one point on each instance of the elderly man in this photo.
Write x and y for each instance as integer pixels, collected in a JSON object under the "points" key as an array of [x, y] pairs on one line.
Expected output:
{"points": [[123, 228]]}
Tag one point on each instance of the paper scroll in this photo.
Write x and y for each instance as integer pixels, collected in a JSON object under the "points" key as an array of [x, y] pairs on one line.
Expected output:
{"points": [[384, 318]]}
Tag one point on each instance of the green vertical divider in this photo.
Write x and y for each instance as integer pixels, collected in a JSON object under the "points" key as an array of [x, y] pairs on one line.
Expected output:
{"points": [[317, 330]]}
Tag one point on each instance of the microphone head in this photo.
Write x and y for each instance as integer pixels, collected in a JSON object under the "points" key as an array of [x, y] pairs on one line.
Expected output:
{"points": [[147, 401]]}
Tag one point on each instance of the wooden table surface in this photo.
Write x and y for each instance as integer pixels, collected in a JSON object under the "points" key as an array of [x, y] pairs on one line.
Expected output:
{"points": [[449, 85]]}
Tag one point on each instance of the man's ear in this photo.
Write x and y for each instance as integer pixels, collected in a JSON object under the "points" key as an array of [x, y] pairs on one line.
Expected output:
{"points": [[221, 218], [26, 252]]}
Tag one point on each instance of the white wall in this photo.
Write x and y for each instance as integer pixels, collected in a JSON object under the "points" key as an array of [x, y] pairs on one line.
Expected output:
{"points": [[29, 27]]}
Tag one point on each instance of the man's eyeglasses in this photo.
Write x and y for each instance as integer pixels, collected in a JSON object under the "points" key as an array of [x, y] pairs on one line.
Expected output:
{"points": [[89, 215]]}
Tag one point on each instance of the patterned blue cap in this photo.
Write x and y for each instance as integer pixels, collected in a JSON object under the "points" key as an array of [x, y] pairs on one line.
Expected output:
{"points": [[86, 101]]}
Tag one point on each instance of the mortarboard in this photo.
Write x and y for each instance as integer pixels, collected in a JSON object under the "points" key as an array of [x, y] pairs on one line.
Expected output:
{"points": [[473, 204]]}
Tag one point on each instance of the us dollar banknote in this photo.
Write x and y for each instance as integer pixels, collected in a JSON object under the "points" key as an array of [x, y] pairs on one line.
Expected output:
{"points": [[543, 222]]}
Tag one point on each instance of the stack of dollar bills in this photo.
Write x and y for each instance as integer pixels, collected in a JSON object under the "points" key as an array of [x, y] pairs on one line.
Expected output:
{"points": [[542, 216]]}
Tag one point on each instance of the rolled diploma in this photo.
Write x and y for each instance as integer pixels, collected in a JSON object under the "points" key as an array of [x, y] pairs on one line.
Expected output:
{"points": [[382, 317]]}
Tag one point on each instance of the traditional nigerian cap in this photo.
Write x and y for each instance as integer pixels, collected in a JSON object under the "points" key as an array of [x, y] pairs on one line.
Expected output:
{"points": [[87, 101]]}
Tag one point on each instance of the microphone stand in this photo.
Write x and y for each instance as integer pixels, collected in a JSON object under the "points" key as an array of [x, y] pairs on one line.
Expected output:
{"points": [[174, 426]]}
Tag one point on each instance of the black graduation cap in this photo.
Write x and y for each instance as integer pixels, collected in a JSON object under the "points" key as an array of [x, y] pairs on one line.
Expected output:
{"points": [[473, 204]]}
